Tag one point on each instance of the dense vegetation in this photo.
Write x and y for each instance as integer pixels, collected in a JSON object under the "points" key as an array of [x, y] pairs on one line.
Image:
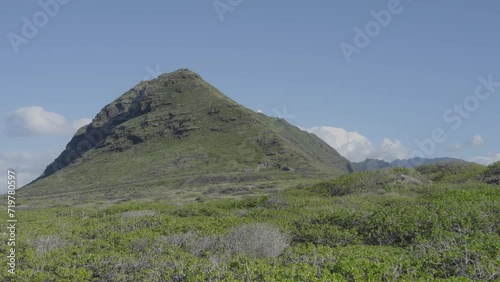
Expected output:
{"points": [[438, 222]]}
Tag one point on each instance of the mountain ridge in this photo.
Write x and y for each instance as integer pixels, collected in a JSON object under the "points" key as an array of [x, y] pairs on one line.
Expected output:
{"points": [[374, 164], [179, 131]]}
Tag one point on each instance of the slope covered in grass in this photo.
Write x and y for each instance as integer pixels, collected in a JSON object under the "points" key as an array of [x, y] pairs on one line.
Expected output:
{"points": [[179, 133]]}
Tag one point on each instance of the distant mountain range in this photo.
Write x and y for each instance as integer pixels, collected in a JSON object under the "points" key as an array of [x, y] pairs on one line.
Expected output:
{"points": [[373, 164]]}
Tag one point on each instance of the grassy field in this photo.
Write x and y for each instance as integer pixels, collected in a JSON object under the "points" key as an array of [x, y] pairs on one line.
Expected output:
{"points": [[438, 222]]}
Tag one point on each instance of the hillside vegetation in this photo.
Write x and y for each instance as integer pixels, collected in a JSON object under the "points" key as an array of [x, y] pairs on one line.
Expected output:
{"points": [[177, 134], [434, 223]]}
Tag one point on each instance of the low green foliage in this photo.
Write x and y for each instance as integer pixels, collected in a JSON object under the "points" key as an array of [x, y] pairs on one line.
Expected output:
{"points": [[492, 174], [395, 225], [451, 172]]}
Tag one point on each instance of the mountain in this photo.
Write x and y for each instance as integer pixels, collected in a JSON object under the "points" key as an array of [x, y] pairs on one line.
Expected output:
{"points": [[411, 163], [177, 134], [372, 164]]}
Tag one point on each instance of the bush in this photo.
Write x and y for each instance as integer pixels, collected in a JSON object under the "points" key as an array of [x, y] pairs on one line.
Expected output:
{"points": [[252, 240], [451, 172], [256, 241], [134, 214], [45, 244], [353, 183], [275, 202], [324, 234], [492, 174], [195, 244], [474, 257]]}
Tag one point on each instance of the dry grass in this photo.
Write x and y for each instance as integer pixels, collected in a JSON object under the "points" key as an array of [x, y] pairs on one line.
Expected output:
{"points": [[251, 240]]}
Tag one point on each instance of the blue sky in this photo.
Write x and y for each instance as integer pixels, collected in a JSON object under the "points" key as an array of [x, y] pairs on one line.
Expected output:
{"points": [[281, 57]]}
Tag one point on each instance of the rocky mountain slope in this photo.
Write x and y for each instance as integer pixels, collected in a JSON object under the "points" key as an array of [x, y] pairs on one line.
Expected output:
{"points": [[176, 134]]}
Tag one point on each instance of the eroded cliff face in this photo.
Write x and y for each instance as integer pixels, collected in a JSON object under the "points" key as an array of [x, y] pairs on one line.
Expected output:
{"points": [[140, 100]]}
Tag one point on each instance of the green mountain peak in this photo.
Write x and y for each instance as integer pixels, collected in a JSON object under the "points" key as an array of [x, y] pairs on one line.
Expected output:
{"points": [[177, 132]]}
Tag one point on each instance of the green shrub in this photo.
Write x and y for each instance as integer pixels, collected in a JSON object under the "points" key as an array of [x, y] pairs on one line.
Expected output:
{"points": [[492, 174], [387, 226], [456, 172], [352, 183]]}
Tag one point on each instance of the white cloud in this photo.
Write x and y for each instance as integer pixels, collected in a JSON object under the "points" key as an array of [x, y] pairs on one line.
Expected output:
{"points": [[455, 148], [392, 150], [356, 147], [351, 145], [29, 165], [259, 111], [477, 140], [77, 124], [35, 121], [488, 159]]}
